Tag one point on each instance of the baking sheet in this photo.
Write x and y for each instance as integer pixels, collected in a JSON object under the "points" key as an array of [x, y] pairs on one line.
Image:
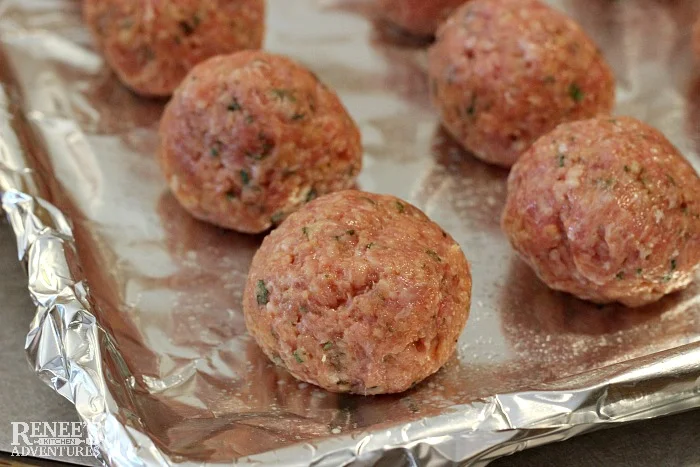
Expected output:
{"points": [[169, 374]]}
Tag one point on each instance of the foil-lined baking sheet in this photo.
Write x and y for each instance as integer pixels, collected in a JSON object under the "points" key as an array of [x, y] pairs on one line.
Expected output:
{"points": [[139, 318]]}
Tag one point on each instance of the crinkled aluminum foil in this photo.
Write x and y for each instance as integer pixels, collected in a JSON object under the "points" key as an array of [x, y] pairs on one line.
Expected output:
{"points": [[154, 353]]}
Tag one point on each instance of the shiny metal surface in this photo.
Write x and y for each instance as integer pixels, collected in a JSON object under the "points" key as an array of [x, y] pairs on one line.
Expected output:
{"points": [[23, 397], [155, 354]]}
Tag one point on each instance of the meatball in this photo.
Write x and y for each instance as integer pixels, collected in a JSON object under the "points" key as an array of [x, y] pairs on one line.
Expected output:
{"points": [[418, 17], [505, 72], [151, 45], [358, 292], [607, 210], [248, 138]]}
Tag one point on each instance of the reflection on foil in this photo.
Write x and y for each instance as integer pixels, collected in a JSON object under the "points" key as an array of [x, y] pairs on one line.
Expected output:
{"points": [[169, 374]]}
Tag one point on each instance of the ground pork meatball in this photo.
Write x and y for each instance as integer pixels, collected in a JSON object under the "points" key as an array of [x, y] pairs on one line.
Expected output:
{"points": [[504, 72], [248, 138], [606, 209], [151, 44], [418, 17], [358, 292]]}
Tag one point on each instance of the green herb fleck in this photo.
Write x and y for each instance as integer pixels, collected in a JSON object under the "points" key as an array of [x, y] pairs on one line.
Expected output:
{"points": [[303, 309], [369, 200], [620, 275], [400, 207], [639, 271], [311, 195], [434, 255], [277, 217], [262, 295], [146, 53], [674, 264], [305, 231], [671, 180], [284, 94], [412, 406], [234, 106], [215, 150], [327, 345], [249, 119], [230, 195], [196, 20], [350, 232], [471, 110], [549, 79], [666, 278], [187, 28], [245, 177], [575, 92], [561, 158], [627, 169], [297, 357], [369, 245], [684, 209], [267, 147], [298, 116]]}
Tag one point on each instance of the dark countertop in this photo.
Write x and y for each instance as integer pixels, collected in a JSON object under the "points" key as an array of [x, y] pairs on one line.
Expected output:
{"points": [[669, 441]]}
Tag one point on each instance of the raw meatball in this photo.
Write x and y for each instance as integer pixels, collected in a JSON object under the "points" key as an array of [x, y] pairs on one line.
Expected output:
{"points": [[151, 45], [358, 292], [606, 209], [504, 72], [248, 138], [418, 17]]}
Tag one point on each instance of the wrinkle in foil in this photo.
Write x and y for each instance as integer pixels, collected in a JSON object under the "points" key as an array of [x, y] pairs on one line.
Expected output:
{"points": [[138, 305]]}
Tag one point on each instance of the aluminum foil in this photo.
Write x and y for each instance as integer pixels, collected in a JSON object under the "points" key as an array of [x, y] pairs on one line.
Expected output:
{"points": [[138, 305]]}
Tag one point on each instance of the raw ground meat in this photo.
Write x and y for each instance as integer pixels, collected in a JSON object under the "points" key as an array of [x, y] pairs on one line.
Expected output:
{"points": [[505, 72], [418, 17], [151, 44], [250, 137], [606, 209], [696, 37], [358, 292]]}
